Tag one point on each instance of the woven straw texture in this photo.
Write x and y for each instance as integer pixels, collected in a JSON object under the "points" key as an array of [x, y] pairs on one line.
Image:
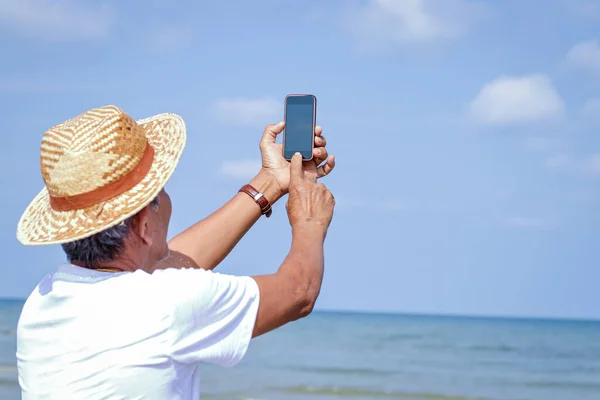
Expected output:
{"points": [[88, 152]]}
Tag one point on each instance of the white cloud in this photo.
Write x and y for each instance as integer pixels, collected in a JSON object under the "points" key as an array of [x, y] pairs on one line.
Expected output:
{"points": [[585, 55], [529, 222], [58, 20], [240, 169], [257, 112], [540, 144], [392, 22], [516, 100], [591, 109]]}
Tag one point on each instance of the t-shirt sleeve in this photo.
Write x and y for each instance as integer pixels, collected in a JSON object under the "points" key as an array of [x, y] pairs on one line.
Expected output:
{"points": [[213, 315]]}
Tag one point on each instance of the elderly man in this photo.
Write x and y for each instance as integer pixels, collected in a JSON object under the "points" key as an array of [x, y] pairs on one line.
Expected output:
{"points": [[132, 315]]}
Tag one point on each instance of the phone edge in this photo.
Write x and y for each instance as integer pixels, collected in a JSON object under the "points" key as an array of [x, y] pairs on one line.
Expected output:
{"points": [[314, 123]]}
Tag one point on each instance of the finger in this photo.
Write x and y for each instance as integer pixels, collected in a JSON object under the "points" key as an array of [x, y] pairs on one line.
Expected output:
{"points": [[271, 131], [310, 172], [319, 155], [326, 168], [318, 130], [320, 141], [296, 170]]}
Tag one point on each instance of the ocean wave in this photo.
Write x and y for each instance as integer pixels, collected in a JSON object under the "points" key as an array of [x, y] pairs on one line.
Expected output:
{"points": [[436, 346], [8, 374], [349, 392], [492, 348], [404, 336], [342, 370], [228, 396], [8, 369], [499, 348], [564, 385]]}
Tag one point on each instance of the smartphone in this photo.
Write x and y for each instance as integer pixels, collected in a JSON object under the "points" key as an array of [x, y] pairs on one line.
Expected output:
{"points": [[300, 116]]}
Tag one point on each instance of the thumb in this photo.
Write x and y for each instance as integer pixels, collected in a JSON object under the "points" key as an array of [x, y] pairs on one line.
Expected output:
{"points": [[271, 131], [296, 170]]}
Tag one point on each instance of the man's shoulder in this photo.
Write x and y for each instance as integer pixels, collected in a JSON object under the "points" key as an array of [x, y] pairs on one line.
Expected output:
{"points": [[202, 286], [74, 294], [74, 287], [70, 286], [198, 276]]}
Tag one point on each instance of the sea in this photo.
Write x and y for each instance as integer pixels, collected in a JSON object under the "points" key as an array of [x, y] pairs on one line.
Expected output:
{"points": [[333, 355]]}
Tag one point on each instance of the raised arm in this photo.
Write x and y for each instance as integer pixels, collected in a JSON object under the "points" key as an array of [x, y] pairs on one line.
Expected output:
{"points": [[291, 292], [206, 243]]}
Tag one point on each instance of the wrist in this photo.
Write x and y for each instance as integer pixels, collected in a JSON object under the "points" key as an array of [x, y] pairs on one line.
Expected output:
{"points": [[309, 230], [266, 184]]}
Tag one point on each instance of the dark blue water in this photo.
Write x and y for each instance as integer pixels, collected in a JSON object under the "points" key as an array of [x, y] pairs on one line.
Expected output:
{"points": [[371, 356]]}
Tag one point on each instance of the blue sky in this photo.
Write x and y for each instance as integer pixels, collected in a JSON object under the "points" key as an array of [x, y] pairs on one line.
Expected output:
{"points": [[466, 135]]}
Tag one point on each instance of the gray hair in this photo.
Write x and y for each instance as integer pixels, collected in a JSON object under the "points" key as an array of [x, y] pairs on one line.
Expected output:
{"points": [[103, 246]]}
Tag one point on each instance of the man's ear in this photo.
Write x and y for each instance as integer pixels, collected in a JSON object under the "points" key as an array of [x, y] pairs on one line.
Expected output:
{"points": [[140, 226]]}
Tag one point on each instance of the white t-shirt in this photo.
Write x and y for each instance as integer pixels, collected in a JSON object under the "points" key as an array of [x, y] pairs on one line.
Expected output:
{"points": [[89, 335]]}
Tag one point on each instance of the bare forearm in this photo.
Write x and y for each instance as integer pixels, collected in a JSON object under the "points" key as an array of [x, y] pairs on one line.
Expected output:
{"points": [[306, 259], [209, 241]]}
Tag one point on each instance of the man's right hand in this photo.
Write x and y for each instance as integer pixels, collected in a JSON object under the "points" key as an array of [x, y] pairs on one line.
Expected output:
{"points": [[310, 204]]}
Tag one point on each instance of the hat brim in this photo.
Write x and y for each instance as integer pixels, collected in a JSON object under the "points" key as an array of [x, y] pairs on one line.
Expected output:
{"points": [[41, 225]]}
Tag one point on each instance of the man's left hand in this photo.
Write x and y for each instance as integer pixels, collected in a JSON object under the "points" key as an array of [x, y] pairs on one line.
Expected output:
{"points": [[278, 167]]}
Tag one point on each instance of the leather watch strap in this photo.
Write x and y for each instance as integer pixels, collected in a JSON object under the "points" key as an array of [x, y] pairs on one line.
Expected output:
{"points": [[259, 198]]}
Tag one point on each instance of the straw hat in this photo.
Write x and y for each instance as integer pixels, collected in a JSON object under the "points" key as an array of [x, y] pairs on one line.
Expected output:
{"points": [[100, 168]]}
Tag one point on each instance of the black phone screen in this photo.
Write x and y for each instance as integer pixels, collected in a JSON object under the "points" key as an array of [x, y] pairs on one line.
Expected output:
{"points": [[299, 126]]}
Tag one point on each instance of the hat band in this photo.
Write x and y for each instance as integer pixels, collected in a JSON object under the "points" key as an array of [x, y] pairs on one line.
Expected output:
{"points": [[107, 192]]}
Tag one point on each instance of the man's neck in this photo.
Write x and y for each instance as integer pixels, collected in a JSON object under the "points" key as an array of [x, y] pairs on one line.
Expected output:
{"points": [[120, 265]]}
